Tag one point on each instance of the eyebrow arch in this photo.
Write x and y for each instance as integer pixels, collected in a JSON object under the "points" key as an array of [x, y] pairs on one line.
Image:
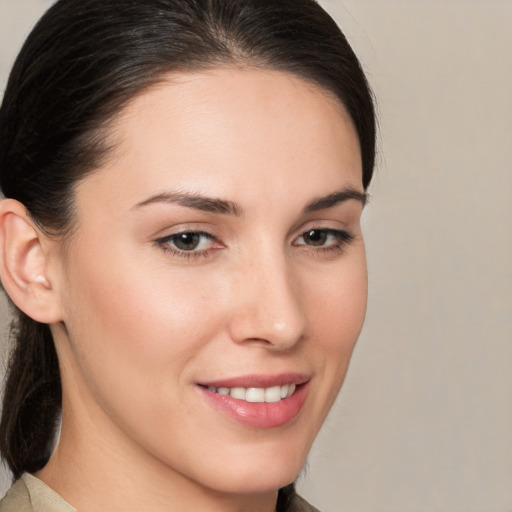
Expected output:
{"points": [[196, 201], [214, 205], [335, 198]]}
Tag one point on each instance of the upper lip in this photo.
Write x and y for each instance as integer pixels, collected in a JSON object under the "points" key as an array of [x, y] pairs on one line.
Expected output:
{"points": [[258, 381]]}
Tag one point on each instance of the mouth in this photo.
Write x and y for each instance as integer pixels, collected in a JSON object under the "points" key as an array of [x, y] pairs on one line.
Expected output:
{"points": [[271, 394], [259, 402]]}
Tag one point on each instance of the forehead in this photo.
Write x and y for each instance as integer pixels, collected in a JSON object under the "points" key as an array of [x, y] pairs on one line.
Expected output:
{"points": [[215, 131]]}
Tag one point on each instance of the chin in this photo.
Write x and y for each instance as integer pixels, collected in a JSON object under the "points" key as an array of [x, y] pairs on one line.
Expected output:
{"points": [[255, 482], [261, 471]]}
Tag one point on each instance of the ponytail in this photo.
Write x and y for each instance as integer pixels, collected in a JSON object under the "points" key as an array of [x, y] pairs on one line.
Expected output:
{"points": [[32, 398]]}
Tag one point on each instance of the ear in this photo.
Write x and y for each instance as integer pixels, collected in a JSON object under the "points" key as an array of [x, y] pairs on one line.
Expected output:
{"points": [[24, 253]]}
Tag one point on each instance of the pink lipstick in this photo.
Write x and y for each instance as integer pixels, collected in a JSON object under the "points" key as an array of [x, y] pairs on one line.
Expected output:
{"points": [[259, 401]]}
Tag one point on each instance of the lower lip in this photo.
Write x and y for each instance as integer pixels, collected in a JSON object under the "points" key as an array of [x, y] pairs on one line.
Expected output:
{"points": [[260, 414]]}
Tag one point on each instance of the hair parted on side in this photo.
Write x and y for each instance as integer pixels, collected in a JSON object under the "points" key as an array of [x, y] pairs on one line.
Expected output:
{"points": [[82, 63]]}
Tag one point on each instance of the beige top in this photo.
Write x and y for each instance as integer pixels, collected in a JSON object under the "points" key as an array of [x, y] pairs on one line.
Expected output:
{"points": [[29, 494]]}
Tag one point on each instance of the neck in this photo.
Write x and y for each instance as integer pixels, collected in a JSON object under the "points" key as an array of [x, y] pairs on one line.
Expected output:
{"points": [[94, 468]]}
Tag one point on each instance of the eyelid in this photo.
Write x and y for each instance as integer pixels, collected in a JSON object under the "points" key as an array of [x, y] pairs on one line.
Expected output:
{"points": [[336, 240], [342, 238], [166, 245]]}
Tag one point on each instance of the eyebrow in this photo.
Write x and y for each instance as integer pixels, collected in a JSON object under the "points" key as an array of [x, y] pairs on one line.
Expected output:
{"points": [[224, 207], [195, 201], [335, 198]]}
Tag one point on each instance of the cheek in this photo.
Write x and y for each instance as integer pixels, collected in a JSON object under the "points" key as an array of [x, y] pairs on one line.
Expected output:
{"points": [[137, 335], [338, 311], [136, 321], [340, 305]]}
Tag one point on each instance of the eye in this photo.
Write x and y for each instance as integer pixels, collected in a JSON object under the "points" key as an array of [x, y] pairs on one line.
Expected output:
{"points": [[187, 243], [325, 238]]}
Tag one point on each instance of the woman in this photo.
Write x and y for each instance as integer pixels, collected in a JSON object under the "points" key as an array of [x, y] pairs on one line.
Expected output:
{"points": [[180, 240]]}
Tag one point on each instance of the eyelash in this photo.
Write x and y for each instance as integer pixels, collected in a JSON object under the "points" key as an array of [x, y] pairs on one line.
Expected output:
{"points": [[165, 244], [342, 238]]}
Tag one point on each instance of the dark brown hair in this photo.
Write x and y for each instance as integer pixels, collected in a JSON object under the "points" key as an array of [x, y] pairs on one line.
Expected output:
{"points": [[81, 64]]}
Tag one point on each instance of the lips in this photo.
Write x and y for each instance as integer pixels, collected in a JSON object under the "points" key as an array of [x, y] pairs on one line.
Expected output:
{"points": [[258, 401]]}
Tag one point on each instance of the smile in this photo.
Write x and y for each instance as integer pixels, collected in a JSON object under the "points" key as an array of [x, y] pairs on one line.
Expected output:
{"points": [[257, 395], [258, 401]]}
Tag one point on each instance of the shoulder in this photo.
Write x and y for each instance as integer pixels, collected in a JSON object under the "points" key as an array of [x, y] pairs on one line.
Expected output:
{"points": [[290, 501], [17, 499], [29, 494]]}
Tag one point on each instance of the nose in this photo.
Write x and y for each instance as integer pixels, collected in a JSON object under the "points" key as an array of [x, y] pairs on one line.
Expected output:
{"points": [[268, 310]]}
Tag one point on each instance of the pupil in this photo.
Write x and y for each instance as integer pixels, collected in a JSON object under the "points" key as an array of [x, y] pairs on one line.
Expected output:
{"points": [[187, 241], [316, 237]]}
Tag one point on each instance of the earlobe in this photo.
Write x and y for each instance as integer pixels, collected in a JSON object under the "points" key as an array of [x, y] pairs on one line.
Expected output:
{"points": [[23, 264]]}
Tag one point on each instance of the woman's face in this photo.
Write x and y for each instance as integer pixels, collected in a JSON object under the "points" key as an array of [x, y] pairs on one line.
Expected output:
{"points": [[217, 255]]}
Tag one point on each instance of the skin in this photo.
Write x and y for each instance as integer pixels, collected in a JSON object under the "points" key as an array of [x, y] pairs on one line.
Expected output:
{"points": [[138, 324]]}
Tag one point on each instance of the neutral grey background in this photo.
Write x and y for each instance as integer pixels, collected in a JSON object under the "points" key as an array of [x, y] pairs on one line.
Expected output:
{"points": [[424, 421]]}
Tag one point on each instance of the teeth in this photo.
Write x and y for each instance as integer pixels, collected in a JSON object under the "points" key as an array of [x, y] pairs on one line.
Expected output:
{"points": [[254, 395], [258, 395], [273, 394], [238, 393]]}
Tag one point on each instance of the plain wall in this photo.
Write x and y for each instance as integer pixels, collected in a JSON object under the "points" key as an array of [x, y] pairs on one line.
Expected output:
{"points": [[424, 421]]}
